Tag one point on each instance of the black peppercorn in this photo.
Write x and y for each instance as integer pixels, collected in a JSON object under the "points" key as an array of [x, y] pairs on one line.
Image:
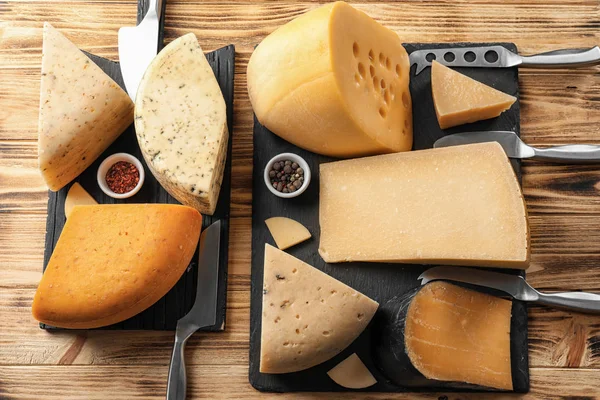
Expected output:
{"points": [[286, 176]]}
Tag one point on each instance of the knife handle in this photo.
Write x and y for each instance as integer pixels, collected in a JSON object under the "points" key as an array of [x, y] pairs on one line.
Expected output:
{"points": [[177, 382], [574, 153], [576, 301], [563, 58]]}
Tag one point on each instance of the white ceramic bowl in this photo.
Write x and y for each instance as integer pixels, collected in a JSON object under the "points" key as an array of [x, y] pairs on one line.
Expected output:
{"points": [[294, 158], [109, 162]]}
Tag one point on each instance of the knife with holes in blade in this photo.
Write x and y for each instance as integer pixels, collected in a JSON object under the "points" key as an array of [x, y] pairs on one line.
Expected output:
{"points": [[501, 57]]}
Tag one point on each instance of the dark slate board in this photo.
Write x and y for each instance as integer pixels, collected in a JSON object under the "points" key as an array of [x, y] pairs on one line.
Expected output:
{"points": [[381, 282], [163, 315]]}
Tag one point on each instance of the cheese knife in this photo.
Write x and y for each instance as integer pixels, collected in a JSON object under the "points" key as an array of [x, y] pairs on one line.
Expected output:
{"points": [[138, 45], [516, 286], [515, 148], [501, 57], [203, 312]]}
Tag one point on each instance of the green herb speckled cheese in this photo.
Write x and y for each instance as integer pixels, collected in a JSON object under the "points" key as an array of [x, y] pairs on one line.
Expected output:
{"points": [[82, 111], [181, 124]]}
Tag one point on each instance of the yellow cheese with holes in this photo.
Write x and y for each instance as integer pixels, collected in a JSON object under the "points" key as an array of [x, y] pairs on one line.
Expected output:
{"points": [[458, 205], [459, 99], [307, 316], [456, 334], [335, 82], [286, 232], [112, 262], [352, 374], [82, 111], [77, 196]]}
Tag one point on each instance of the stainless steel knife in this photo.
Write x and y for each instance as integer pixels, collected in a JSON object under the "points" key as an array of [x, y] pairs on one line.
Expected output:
{"points": [[501, 57], [515, 148], [138, 45], [514, 285], [203, 312]]}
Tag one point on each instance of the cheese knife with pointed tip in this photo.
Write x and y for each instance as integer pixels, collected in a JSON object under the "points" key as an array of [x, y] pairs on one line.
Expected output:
{"points": [[516, 286], [203, 312], [515, 148]]}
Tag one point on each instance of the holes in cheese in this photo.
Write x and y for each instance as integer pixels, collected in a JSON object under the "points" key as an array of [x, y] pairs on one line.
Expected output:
{"points": [[113, 261], [317, 82], [459, 99], [286, 232], [82, 111], [458, 205], [352, 374], [181, 124], [307, 316], [77, 196]]}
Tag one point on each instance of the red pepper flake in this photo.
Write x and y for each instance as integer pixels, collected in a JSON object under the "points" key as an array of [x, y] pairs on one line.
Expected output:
{"points": [[122, 177]]}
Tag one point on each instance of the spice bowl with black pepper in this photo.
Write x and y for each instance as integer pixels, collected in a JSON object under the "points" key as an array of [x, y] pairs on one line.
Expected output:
{"points": [[120, 175], [287, 175]]}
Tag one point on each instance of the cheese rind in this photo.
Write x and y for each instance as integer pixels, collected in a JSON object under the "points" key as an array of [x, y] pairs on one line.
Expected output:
{"points": [[113, 261], [459, 99], [459, 205], [82, 111], [181, 124], [352, 374], [307, 316], [286, 232], [77, 196], [335, 82], [456, 334]]}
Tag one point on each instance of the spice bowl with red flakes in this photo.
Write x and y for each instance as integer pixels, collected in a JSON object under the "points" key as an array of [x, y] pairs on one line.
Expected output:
{"points": [[121, 175]]}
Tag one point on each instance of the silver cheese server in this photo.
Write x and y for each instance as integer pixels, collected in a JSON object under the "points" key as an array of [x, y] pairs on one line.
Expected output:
{"points": [[516, 148], [501, 57], [516, 286]]}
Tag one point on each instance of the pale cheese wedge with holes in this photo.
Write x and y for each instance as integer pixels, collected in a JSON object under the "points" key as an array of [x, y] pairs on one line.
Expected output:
{"points": [[352, 374], [308, 316], [77, 196], [286, 232]]}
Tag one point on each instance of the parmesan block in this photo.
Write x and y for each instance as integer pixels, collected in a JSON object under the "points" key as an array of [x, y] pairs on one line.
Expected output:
{"points": [[335, 82], [181, 124], [77, 196], [82, 111], [352, 374], [286, 232], [112, 262], [308, 316], [459, 99], [459, 205], [456, 334]]}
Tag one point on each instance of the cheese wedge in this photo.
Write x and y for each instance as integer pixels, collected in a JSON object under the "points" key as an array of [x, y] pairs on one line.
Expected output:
{"points": [[286, 232], [458, 205], [113, 261], [181, 124], [308, 316], [77, 196], [335, 82], [82, 111], [352, 374], [459, 99], [456, 334]]}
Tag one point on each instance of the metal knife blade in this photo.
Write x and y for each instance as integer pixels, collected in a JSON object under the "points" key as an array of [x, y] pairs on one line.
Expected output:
{"points": [[510, 142], [138, 45]]}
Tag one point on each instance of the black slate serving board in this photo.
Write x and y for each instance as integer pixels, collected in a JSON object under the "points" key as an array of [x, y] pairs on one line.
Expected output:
{"points": [[381, 282], [163, 315]]}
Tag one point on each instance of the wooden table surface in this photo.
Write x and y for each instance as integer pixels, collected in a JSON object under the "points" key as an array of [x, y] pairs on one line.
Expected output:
{"points": [[558, 107]]}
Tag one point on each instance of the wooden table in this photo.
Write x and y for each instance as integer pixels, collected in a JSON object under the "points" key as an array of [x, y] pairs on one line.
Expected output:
{"points": [[558, 107]]}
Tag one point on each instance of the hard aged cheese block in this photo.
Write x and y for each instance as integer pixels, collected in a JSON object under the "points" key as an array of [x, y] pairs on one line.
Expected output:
{"points": [[77, 196], [458, 205], [352, 374], [335, 82], [459, 99], [456, 334], [308, 316], [113, 261], [181, 124], [286, 232], [82, 111]]}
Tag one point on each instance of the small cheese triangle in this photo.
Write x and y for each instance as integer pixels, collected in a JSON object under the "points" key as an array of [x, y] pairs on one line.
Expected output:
{"points": [[352, 374], [82, 111], [308, 316], [77, 196], [286, 232], [459, 99]]}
